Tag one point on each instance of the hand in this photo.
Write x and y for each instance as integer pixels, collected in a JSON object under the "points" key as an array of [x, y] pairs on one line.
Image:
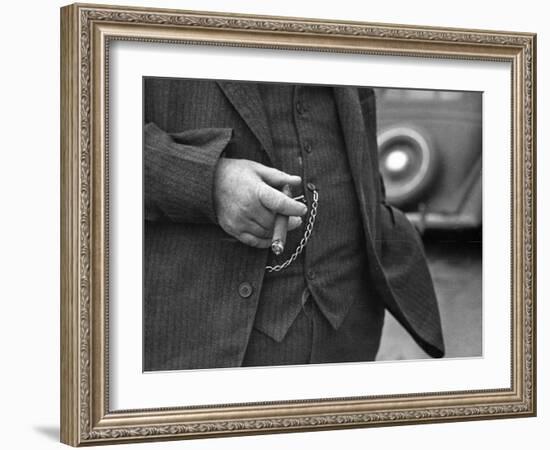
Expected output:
{"points": [[247, 196]]}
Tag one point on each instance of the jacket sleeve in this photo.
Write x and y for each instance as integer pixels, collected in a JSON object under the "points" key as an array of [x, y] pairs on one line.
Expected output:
{"points": [[179, 173]]}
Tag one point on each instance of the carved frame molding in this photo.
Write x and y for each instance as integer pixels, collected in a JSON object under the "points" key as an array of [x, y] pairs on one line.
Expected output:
{"points": [[86, 31]]}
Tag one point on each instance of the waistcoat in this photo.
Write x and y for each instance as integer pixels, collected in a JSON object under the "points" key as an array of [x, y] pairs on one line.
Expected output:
{"points": [[306, 133]]}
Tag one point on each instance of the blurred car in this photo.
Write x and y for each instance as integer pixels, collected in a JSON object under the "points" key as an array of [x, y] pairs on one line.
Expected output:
{"points": [[430, 154]]}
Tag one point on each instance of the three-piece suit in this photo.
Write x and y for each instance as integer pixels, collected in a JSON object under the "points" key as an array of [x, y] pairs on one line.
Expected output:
{"points": [[206, 294]]}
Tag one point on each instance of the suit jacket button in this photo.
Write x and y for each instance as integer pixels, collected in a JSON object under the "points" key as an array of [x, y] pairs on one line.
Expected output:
{"points": [[245, 290], [300, 107]]}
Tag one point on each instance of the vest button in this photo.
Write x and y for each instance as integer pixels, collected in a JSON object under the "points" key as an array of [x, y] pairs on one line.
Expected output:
{"points": [[311, 275], [300, 107], [245, 290], [307, 147]]}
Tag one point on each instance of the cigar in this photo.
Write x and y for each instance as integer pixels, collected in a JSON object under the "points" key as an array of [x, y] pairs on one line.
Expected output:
{"points": [[280, 228]]}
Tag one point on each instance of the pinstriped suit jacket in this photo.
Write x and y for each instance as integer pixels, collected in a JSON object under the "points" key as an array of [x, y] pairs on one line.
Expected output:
{"points": [[194, 313]]}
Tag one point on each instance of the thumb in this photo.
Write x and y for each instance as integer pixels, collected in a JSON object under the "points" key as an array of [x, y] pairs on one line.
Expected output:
{"points": [[277, 178], [294, 222]]}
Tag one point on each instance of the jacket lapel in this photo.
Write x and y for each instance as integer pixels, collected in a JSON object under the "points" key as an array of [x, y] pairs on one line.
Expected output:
{"points": [[245, 98], [357, 147]]}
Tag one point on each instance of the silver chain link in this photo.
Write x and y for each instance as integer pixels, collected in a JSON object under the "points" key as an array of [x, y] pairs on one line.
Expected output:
{"points": [[305, 238]]}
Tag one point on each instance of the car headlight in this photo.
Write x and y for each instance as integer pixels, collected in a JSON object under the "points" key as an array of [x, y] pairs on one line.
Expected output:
{"points": [[407, 163]]}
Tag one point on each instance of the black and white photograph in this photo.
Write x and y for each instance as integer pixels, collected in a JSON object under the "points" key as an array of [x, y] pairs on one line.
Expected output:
{"points": [[292, 224]]}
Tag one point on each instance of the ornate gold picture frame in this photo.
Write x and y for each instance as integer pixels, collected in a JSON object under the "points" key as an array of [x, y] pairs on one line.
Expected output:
{"points": [[87, 31]]}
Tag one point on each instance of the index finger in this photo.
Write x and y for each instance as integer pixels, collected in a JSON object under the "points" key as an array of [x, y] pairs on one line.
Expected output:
{"points": [[279, 203]]}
